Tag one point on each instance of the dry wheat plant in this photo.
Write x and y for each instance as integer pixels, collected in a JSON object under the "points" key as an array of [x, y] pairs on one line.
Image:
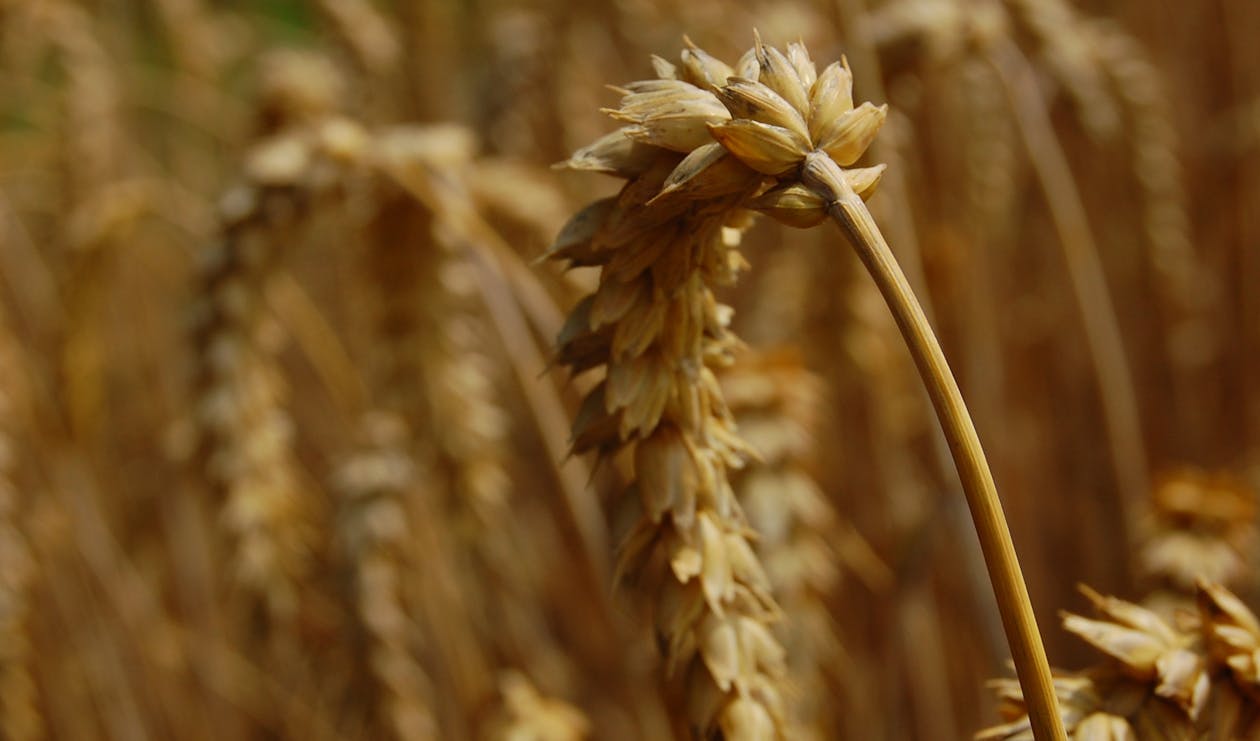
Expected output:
{"points": [[511, 370]]}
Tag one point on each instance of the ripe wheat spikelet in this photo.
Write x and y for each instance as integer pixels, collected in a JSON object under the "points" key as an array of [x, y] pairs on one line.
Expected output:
{"points": [[463, 390], [373, 525], [400, 257], [698, 147], [20, 716], [403, 260], [1194, 677]]}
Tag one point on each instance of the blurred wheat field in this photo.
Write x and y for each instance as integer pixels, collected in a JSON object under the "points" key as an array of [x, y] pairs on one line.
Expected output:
{"points": [[306, 431]]}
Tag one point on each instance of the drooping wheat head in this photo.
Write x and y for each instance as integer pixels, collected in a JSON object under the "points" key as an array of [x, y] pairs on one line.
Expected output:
{"points": [[701, 144]]}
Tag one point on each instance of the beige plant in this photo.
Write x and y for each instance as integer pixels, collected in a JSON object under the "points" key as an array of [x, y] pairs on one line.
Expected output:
{"points": [[702, 142]]}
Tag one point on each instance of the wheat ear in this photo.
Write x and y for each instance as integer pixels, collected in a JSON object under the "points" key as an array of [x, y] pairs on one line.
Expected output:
{"points": [[245, 434], [654, 326], [771, 134]]}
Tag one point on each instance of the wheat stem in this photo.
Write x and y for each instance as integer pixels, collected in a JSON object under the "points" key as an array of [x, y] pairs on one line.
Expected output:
{"points": [[846, 208]]}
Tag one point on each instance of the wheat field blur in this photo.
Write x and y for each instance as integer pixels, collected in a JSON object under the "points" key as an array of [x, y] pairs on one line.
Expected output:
{"points": [[285, 441]]}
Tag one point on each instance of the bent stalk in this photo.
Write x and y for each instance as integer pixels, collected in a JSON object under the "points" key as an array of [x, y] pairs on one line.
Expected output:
{"points": [[846, 208]]}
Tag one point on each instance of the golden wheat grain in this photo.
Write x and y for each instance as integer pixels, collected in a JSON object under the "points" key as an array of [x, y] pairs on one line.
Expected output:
{"points": [[463, 417]]}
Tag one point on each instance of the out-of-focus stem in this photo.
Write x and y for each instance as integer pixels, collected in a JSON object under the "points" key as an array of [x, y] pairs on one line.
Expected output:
{"points": [[1085, 271], [824, 176]]}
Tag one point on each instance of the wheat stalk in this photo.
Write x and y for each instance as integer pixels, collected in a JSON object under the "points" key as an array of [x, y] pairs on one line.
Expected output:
{"points": [[828, 182]]}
